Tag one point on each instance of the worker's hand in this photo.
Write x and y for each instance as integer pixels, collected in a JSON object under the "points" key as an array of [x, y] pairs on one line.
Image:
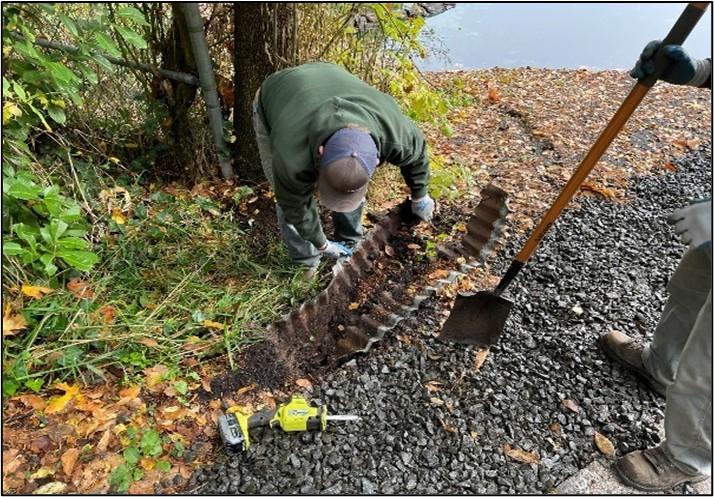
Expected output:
{"points": [[423, 207], [335, 250], [693, 224], [681, 68]]}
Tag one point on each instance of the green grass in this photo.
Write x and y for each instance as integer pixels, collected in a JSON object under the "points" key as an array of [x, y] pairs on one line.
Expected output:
{"points": [[174, 265]]}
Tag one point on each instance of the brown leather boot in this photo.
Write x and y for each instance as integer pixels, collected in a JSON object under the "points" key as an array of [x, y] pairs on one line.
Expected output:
{"points": [[628, 352], [652, 471]]}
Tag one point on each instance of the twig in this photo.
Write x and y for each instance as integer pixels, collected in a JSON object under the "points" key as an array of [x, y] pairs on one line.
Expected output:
{"points": [[79, 187]]}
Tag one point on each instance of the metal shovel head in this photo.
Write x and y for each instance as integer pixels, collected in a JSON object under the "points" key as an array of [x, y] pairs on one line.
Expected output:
{"points": [[476, 319]]}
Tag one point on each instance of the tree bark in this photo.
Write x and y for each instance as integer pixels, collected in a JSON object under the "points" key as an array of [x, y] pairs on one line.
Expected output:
{"points": [[265, 35]]}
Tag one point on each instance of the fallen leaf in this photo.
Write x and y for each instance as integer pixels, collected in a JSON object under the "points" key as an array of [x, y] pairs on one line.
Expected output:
{"points": [[11, 461], [36, 292], [34, 401], [53, 487], [436, 401], [686, 144], [669, 167], [108, 314], [69, 459], [520, 454], [389, 250], [554, 427], [41, 473], [480, 357], [303, 383], [149, 342], [40, 444], [206, 384], [569, 404], [128, 394], [147, 463], [493, 95], [80, 288], [473, 434], [207, 323], [353, 306], [58, 404], [104, 441], [604, 445], [603, 191], [413, 246], [245, 389], [12, 323], [433, 386], [439, 274], [154, 376], [577, 310]]}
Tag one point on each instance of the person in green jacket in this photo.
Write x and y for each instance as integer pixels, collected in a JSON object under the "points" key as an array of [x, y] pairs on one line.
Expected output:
{"points": [[321, 129]]}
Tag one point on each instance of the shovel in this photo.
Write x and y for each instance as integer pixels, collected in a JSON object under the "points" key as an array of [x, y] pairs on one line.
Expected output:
{"points": [[480, 318]]}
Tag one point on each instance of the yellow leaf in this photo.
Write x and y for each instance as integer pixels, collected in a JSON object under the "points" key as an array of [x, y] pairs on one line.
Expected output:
{"points": [[118, 217], [59, 103], [42, 473], [520, 455], [114, 160], [10, 110], [436, 401], [213, 324], [58, 404], [353, 306], [36, 292], [147, 463], [12, 323], [604, 445]]}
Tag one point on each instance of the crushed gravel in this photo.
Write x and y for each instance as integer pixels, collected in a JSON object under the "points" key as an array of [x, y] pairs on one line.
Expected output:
{"points": [[602, 267]]}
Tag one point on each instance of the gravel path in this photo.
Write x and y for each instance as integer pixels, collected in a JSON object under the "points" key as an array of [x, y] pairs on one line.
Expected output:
{"points": [[602, 267]]}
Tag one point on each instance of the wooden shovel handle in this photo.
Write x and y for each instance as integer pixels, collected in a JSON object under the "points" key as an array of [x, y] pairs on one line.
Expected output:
{"points": [[679, 32]]}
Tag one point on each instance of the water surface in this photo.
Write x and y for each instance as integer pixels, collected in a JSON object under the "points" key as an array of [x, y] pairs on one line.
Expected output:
{"points": [[557, 35]]}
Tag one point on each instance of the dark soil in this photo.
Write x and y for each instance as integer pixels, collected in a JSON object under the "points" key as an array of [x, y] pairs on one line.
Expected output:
{"points": [[602, 267]]}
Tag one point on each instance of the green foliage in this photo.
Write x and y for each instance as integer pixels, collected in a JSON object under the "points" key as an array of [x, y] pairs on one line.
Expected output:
{"points": [[51, 230], [121, 478], [383, 56], [151, 443]]}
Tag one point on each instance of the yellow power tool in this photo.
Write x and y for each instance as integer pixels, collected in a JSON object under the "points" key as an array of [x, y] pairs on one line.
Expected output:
{"points": [[296, 415]]}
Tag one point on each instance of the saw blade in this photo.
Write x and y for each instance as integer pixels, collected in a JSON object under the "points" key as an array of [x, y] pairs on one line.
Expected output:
{"points": [[343, 417]]}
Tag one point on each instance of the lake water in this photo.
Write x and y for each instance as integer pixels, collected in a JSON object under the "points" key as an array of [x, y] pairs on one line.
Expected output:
{"points": [[556, 35]]}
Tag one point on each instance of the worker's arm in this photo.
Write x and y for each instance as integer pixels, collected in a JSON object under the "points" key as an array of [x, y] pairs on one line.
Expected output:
{"points": [[682, 69], [412, 158]]}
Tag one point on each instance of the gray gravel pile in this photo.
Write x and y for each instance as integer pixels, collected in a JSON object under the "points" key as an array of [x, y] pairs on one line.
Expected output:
{"points": [[602, 267]]}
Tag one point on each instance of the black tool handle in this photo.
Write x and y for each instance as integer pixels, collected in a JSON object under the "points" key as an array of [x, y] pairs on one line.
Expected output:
{"points": [[261, 418]]}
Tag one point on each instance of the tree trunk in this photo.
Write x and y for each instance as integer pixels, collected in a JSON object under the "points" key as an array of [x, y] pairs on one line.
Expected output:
{"points": [[265, 39]]}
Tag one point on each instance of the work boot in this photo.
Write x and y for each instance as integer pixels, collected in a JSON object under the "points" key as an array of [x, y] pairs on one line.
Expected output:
{"points": [[628, 352], [651, 470]]}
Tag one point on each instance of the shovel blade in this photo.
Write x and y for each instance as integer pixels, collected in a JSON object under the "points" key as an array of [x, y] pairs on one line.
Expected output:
{"points": [[476, 319]]}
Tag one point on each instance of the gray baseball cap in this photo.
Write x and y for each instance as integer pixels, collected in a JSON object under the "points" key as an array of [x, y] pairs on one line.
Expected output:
{"points": [[348, 161]]}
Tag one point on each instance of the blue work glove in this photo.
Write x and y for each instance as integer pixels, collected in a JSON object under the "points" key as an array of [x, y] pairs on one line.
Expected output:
{"points": [[693, 223], [681, 69], [423, 207], [335, 250]]}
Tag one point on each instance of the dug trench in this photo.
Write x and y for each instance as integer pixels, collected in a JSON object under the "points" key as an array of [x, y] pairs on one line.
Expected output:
{"points": [[383, 283]]}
